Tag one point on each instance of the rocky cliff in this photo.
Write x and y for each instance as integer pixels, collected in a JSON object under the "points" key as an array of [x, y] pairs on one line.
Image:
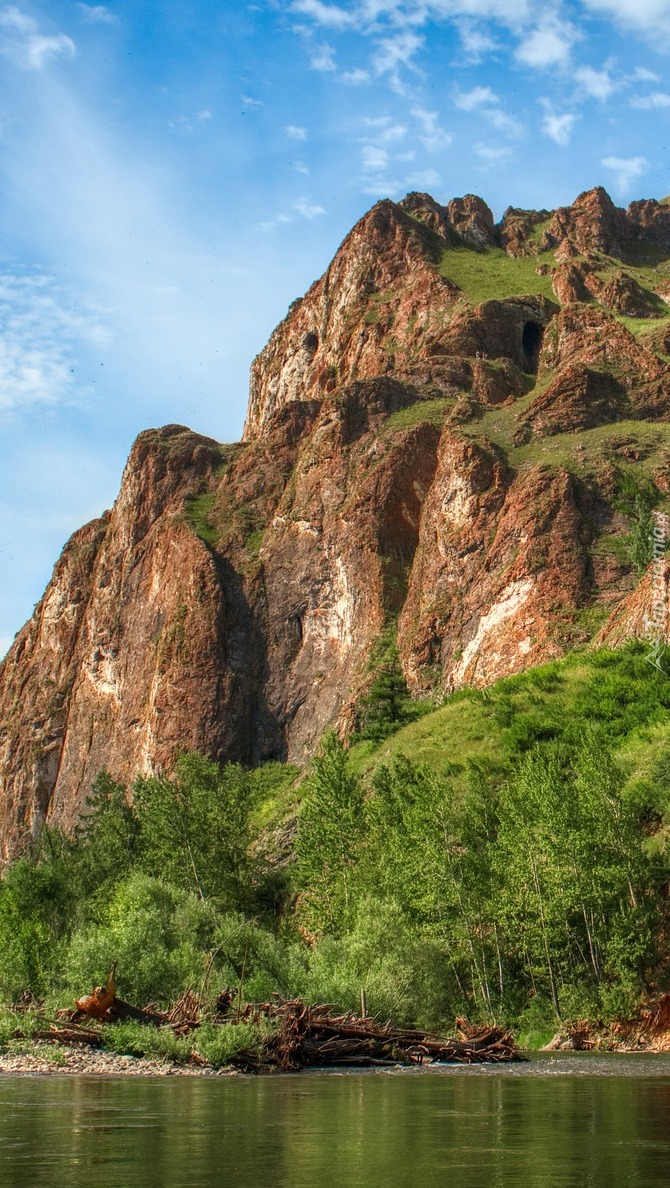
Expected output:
{"points": [[455, 435]]}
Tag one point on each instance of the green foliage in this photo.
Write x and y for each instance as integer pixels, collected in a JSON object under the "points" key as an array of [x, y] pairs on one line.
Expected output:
{"points": [[637, 496], [329, 831], [221, 1045], [495, 858], [159, 934], [34, 903], [198, 510], [194, 828], [155, 1043], [387, 704]]}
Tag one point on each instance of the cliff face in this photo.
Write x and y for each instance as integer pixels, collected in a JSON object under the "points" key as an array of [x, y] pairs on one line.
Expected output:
{"points": [[436, 438]]}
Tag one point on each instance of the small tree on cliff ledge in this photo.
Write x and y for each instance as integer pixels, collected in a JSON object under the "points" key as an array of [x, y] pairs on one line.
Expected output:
{"points": [[387, 705]]}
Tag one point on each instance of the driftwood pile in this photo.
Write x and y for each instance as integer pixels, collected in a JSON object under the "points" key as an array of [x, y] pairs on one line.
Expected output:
{"points": [[313, 1036], [295, 1035]]}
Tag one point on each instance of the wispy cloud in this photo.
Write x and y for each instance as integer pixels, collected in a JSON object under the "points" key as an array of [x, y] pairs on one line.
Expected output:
{"points": [[383, 130], [432, 135], [476, 41], [486, 103], [649, 17], [307, 209], [296, 133], [548, 44], [96, 14], [642, 74], [599, 84], [25, 46], [477, 97], [399, 50], [558, 127], [322, 58], [355, 78], [302, 208], [328, 16], [374, 159], [626, 171], [40, 337], [656, 100], [493, 154]]}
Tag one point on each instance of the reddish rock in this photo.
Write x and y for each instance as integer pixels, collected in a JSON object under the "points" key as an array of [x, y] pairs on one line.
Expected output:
{"points": [[518, 230], [472, 220], [230, 601], [578, 398], [592, 224]]}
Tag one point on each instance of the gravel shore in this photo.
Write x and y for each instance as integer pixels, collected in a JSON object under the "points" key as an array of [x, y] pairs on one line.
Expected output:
{"points": [[82, 1060]]}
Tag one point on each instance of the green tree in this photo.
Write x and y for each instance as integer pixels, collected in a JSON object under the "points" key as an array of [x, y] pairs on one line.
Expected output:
{"points": [[194, 828], [330, 826]]}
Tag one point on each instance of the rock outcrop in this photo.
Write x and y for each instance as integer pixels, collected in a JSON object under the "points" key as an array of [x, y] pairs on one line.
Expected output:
{"points": [[435, 442]]}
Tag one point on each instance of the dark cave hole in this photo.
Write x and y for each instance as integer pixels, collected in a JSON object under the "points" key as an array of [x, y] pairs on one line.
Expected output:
{"points": [[310, 344], [531, 341]]}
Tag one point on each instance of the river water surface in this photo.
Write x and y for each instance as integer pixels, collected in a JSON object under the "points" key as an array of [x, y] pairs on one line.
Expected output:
{"points": [[569, 1119]]}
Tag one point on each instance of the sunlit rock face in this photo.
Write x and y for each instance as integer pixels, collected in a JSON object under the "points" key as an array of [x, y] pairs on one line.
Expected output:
{"points": [[434, 446]]}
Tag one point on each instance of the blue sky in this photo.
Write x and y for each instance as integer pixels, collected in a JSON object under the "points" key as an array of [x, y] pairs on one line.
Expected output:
{"points": [[173, 174]]}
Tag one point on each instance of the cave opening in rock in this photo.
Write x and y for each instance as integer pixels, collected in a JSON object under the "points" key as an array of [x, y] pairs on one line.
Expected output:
{"points": [[531, 341], [310, 344]]}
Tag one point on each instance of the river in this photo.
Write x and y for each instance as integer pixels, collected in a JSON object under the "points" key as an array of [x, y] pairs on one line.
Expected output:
{"points": [[568, 1119]]}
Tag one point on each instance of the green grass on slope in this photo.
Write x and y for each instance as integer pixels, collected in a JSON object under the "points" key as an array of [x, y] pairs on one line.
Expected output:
{"points": [[490, 274], [619, 693], [433, 411], [581, 453]]}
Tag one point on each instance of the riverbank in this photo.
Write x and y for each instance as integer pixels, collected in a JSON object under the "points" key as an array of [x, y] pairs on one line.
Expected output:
{"points": [[43, 1058]]}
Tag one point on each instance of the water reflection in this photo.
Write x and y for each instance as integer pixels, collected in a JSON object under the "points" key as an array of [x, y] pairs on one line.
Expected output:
{"points": [[568, 1121]]}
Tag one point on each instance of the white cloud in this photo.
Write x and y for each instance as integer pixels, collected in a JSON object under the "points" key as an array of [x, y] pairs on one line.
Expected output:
{"points": [[549, 44], [485, 101], [249, 101], [475, 41], [650, 17], [355, 77], [96, 14], [384, 129], [656, 100], [329, 16], [477, 97], [204, 115], [306, 209], [40, 337], [373, 158], [300, 167], [599, 84], [558, 127], [23, 44], [641, 74], [393, 52], [322, 58], [493, 154], [626, 170], [503, 122], [295, 133], [432, 136]]}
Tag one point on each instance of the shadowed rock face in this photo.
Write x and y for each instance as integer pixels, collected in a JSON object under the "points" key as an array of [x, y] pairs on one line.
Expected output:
{"points": [[424, 446]]}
